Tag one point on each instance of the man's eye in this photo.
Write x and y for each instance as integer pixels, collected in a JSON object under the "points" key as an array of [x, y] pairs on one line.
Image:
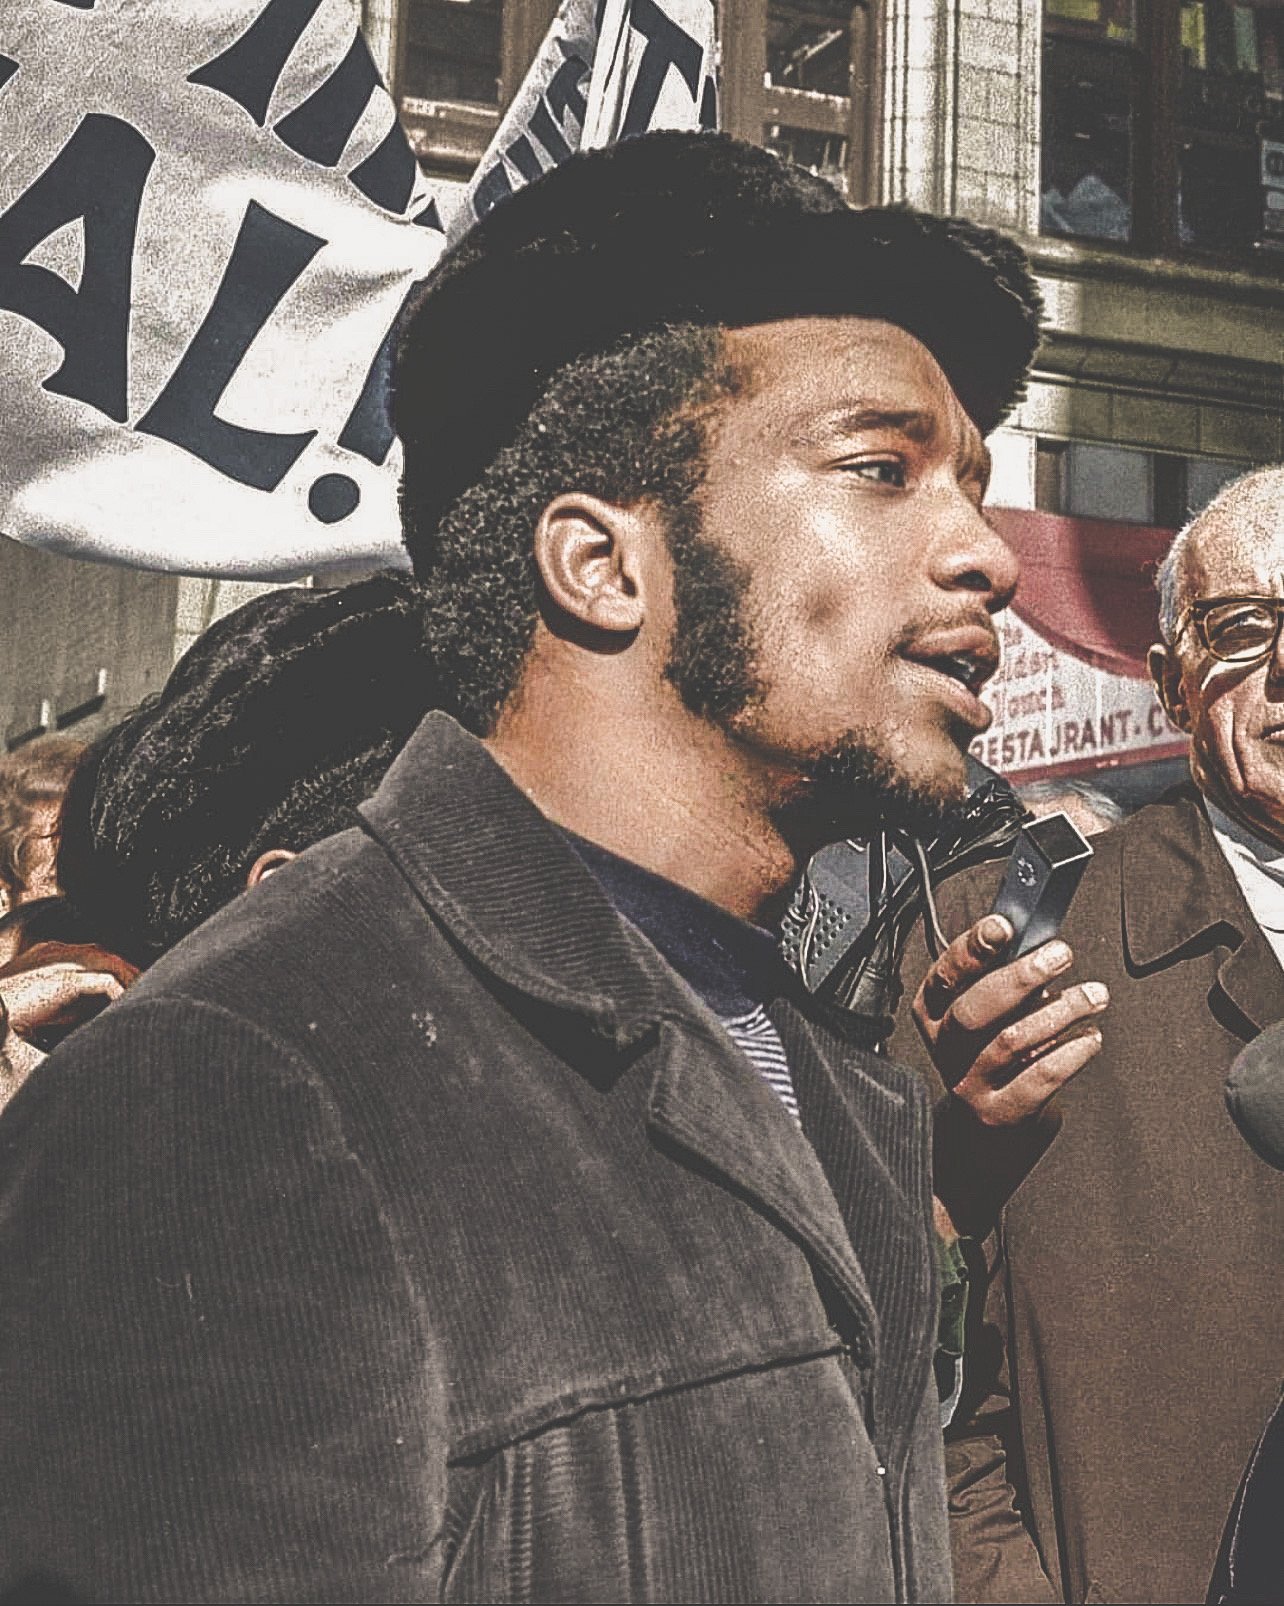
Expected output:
{"points": [[880, 470]]}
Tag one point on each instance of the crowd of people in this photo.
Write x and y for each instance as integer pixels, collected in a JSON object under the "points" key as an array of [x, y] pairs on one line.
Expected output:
{"points": [[421, 1176]]}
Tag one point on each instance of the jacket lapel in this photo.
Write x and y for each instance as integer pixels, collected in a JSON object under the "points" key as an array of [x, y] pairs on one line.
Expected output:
{"points": [[859, 1110], [1253, 982], [1178, 894], [508, 886], [712, 1105]]}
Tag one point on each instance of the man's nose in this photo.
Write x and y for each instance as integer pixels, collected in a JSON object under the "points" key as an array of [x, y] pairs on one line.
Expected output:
{"points": [[972, 556]]}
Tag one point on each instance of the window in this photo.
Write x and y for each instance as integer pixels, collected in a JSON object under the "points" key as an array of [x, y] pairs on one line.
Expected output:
{"points": [[797, 77], [458, 62], [1089, 70], [1230, 114], [1125, 485], [1163, 126], [452, 51], [808, 84]]}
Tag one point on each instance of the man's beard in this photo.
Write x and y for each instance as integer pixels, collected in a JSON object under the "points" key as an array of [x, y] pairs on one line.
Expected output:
{"points": [[713, 654], [852, 788]]}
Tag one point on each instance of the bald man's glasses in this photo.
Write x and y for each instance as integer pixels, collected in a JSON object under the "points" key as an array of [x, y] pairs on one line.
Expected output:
{"points": [[1236, 630]]}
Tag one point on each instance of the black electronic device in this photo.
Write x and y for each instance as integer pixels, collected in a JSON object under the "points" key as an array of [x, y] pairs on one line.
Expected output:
{"points": [[1043, 872], [845, 929], [846, 884]]}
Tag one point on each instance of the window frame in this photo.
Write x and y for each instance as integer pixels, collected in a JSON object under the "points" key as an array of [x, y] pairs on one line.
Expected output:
{"points": [[1169, 473], [1155, 58], [751, 105], [450, 137]]}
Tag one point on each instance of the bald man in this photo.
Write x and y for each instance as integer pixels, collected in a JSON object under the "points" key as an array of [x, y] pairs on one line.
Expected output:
{"points": [[1134, 1277]]}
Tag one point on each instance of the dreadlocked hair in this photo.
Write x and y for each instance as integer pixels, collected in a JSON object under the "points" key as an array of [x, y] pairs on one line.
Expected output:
{"points": [[629, 425], [275, 724]]}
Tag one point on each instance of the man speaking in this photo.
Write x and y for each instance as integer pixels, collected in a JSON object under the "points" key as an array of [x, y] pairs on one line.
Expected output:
{"points": [[478, 1212]]}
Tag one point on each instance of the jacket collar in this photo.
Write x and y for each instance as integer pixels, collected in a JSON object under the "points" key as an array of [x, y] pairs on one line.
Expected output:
{"points": [[508, 885], [511, 890], [1177, 892], [730, 963], [1175, 883]]}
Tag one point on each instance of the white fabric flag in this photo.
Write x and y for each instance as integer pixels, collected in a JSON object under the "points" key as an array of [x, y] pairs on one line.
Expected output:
{"points": [[209, 219], [606, 69]]}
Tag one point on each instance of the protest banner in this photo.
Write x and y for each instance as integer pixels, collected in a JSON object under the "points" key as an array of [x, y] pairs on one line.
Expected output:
{"points": [[209, 220], [607, 69]]}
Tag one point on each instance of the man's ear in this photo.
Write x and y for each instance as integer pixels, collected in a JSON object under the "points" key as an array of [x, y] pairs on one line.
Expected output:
{"points": [[266, 863], [1165, 671], [591, 556]]}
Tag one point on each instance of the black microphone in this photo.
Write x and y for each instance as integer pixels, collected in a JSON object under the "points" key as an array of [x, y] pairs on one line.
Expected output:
{"points": [[1255, 1095]]}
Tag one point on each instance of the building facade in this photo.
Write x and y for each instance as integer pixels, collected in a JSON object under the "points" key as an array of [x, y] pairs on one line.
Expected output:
{"points": [[1135, 147]]}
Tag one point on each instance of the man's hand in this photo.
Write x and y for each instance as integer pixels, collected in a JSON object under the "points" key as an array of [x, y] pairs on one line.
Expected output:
{"points": [[51, 987], [56, 995], [1002, 1040], [17, 1059]]}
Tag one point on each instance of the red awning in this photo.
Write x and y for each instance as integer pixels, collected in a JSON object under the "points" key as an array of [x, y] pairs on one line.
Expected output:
{"points": [[1087, 585]]}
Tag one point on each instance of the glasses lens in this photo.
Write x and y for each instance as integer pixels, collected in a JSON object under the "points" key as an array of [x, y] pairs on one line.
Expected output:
{"points": [[1239, 631]]}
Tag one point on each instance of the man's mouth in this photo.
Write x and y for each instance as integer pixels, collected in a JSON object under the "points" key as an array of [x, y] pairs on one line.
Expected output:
{"points": [[967, 658], [960, 666]]}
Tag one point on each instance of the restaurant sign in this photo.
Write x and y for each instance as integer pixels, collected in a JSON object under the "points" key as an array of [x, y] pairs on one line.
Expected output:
{"points": [[1072, 694]]}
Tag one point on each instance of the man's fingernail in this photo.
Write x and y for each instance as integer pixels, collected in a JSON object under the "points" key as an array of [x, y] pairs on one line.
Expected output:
{"points": [[995, 933], [1097, 993], [1054, 956]]}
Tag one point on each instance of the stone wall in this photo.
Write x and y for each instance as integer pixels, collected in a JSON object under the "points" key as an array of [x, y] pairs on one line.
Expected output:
{"points": [[962, 112], [83, 643]]}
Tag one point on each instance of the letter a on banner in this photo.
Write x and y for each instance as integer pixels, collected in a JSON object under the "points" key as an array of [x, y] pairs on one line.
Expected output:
{"points": [[209, 221]]}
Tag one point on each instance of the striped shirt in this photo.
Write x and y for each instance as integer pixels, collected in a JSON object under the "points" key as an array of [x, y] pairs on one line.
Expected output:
{"points": [[760, 1043]]}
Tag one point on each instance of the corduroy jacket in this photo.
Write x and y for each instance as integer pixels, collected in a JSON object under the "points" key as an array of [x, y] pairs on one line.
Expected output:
{"points": [[413, 1232]]}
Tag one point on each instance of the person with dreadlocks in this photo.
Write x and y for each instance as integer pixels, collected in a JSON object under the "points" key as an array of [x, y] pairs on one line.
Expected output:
{"points": [[479, 1210], [277, 722]]}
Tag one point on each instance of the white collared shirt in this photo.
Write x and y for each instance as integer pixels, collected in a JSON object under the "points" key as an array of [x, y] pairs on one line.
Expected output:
{"points": [[1258, 866]]}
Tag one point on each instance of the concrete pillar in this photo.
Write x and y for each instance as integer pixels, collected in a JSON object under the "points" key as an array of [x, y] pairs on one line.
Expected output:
{"points": [[961, 128]]}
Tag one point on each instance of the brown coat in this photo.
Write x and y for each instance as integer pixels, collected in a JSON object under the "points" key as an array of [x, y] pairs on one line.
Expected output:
{"points": [[1137, 1270]]}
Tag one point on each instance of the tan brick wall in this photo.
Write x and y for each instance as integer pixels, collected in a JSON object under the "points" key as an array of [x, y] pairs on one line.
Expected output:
{"points": [[62, 623], [1149, 354], [962, 121]]}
